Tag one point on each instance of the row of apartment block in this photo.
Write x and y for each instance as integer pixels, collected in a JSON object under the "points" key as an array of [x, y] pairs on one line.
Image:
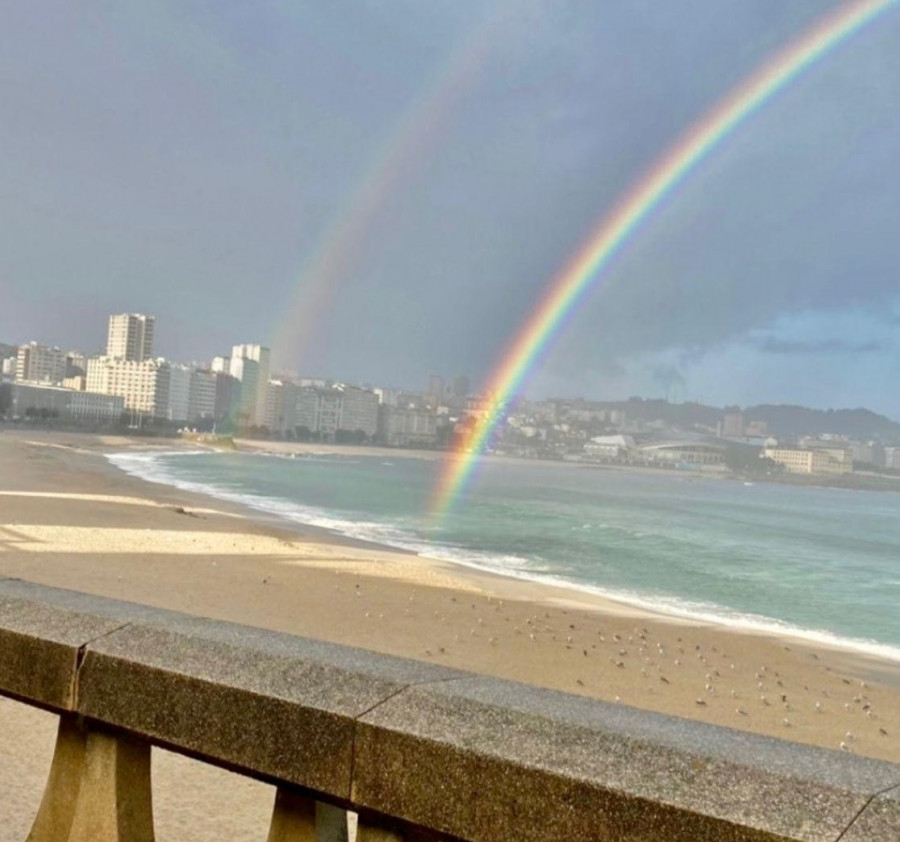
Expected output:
{"points": [[129, 379]]}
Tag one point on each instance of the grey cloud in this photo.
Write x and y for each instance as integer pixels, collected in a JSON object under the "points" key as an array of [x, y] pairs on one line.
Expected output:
{"points": [[772, 345]]}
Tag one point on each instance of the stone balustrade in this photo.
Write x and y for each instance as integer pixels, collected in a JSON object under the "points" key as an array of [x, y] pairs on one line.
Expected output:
{"points": [[418, 751]]}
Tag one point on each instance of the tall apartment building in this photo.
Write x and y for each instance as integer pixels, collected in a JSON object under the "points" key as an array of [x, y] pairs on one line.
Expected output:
{"points": [[358, 410], [135, 381], [400, 427], [339, 408], [254, 381], [173, 387], [40, 364], [227, 394], [246, 373], [281, 406], [130, 337], [202, 395]]}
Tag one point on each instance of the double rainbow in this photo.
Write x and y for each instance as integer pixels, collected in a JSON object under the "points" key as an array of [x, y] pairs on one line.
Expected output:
{"points": [[577, 277]]}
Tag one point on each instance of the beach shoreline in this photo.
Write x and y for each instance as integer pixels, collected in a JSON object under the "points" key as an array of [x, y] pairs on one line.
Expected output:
{"points": [[538, 588], [192, 552]]}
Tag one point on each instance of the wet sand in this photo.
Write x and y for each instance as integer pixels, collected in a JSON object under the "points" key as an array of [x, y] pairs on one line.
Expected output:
{"points": [[70, 519]]}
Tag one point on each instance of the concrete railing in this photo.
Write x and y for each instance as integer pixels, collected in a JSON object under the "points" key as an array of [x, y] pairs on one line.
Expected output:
{"points": [[417, 750]]}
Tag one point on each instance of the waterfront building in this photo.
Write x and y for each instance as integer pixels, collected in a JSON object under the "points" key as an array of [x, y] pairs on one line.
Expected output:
{"points": [[358, 410], [337, 409], [24, 400], [135, 381], [40, 364], [228, 391], [250, 365], [281, 406], [173, 387], [202, 395], [831, 460], [246, 372], [604, 448], [681, 452], [402, 427], [130, 337]]}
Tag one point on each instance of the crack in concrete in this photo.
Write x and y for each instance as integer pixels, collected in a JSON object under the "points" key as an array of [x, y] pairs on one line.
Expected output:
{"points": [[79, 659], [378, 704], [863, 809]]}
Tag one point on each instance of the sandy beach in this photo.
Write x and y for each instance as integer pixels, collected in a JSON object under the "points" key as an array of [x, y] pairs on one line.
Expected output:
{"points": [[70, 519]]}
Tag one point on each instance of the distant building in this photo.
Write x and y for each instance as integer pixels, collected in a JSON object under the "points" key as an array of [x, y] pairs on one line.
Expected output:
{"points": [[604, 448], [250, 365], [40, 364], [399, 427], [435, 393], [25, 400], [869, 452], [136, 382], [76, 364], [173, 389], [460, 387], [811, 461], [681, 452], [892, 458], [337, 409], [732, 425], [130, 337], [756, 429], [281, 406], [228, 391], [387, 397], [202, 396]]}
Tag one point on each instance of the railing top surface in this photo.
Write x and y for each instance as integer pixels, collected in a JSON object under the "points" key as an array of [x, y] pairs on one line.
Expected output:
{"points": [[471, 756]]}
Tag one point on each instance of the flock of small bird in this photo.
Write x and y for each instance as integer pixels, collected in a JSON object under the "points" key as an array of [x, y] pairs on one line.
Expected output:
{"points": [[764, 698]]}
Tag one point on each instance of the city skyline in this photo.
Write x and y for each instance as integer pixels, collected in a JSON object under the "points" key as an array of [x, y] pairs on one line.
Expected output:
{"points": [[130, 345], [199, 165]]}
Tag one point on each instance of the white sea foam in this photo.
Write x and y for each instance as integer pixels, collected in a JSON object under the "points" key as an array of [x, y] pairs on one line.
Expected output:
{"points": [[147, 465]]}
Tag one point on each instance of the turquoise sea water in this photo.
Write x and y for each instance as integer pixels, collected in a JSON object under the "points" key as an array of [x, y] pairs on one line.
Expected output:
{"points": [[819, 562]]}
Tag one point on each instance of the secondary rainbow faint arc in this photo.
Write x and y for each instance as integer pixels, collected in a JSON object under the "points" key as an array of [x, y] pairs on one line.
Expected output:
{"points": [[568, 287], [340, 249]]}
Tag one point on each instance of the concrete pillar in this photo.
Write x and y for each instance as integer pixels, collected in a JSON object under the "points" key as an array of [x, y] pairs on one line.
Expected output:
{"points": [[298, 818], [98, 789]]}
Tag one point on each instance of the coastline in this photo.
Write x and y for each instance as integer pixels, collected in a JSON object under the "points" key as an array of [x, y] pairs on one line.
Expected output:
{"points": [[548, 587], [191, 552]]}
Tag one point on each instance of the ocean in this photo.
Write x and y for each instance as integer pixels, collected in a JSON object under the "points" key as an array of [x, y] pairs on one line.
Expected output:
{"points": [[818, 563]]}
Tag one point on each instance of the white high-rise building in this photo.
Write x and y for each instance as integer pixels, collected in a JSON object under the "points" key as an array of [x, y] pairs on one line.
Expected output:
{"points": [[173, 388], [130, 337], [136, 382], [202, 401], [250, 365]]}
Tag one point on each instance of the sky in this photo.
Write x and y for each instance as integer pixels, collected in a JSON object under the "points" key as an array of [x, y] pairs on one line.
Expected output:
{"points": [[382, 189]]}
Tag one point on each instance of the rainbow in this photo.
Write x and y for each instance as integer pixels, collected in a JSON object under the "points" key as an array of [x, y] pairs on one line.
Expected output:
{"points": [[577, 277], [399, 157]]}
